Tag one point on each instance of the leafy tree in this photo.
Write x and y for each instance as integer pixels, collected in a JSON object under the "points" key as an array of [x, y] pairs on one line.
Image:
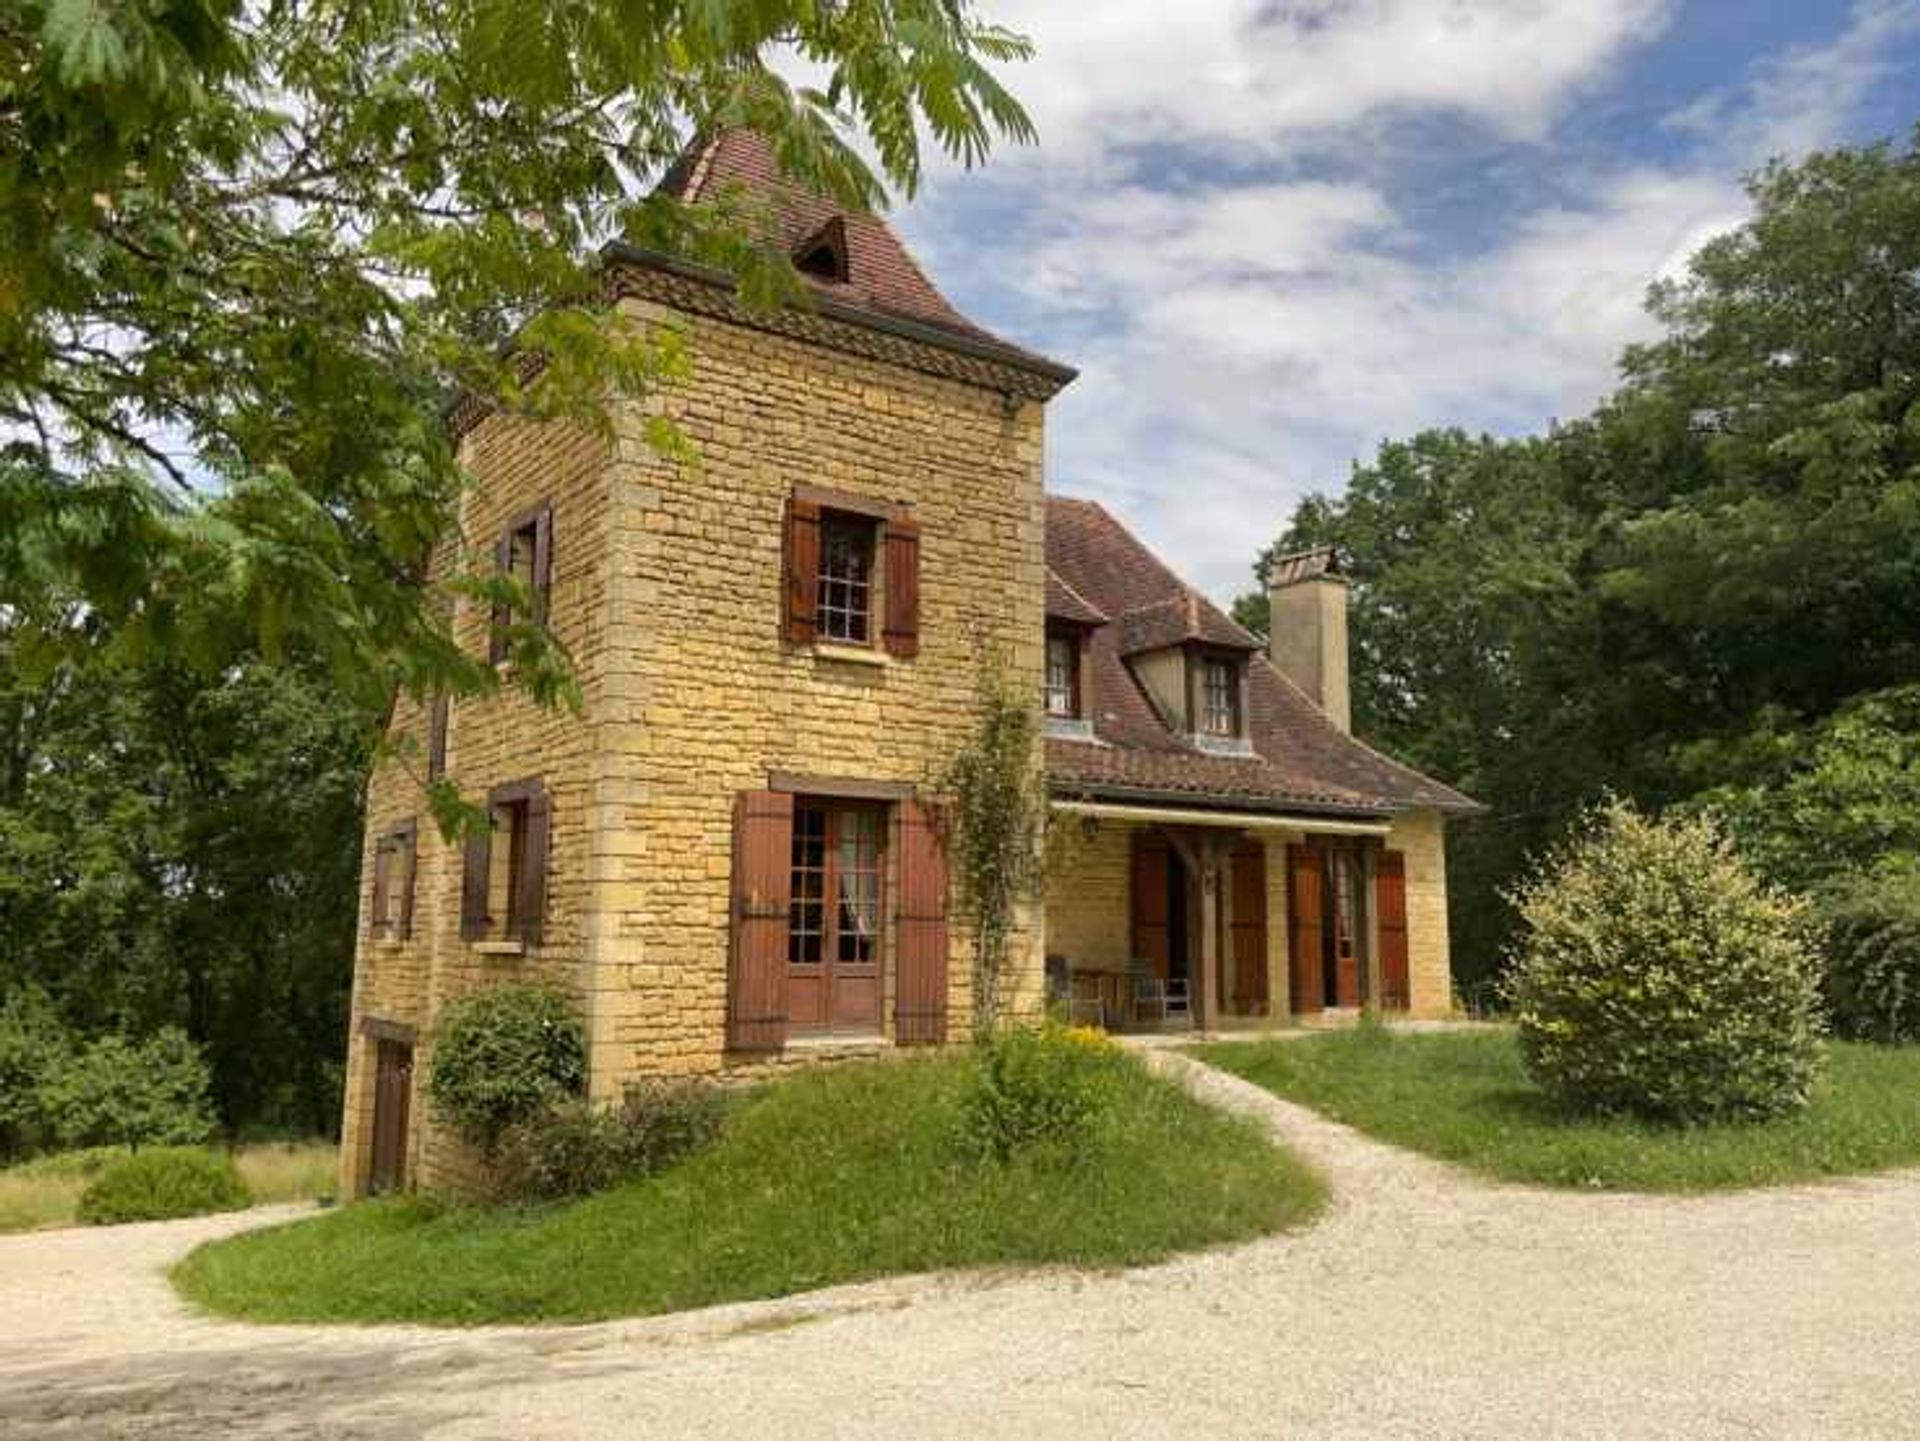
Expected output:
{"points": [[34, 1043], [1680, 596], [249, 252], [119, 1092], [177, 850]]}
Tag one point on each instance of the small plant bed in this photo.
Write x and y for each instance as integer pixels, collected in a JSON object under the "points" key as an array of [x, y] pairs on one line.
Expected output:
{"points": [[822, 1178], [47, 1190], [1464, 1097]]}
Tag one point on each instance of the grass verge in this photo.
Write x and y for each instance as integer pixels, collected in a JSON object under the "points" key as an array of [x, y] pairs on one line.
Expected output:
{"points": [[822, 1178], [1463, 1097], [46, 1191]]}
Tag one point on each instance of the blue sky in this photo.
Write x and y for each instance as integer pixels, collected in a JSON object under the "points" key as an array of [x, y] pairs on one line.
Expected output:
{"points": [[1272, 233]]}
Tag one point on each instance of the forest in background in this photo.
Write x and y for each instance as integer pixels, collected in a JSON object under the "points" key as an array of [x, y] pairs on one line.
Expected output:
{"points": [[1705, 594]]}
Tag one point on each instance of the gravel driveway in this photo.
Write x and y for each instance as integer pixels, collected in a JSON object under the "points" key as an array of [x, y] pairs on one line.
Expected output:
{"points": [[1425, 1303]]}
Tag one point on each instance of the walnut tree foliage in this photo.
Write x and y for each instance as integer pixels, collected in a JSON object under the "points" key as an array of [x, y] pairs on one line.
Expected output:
{"points": [[249, 252], [1691, 595]]}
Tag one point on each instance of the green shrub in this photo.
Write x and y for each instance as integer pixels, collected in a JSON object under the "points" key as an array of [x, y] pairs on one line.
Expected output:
{"points": [[116, 1091], [1654, 976], [162, 1183], [1039, 1091], [573, 1147], [1872, 932], [503, 1055]]}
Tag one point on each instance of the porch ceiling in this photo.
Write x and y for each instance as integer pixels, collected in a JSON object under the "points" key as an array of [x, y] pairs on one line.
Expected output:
{"points": [[1228, 820]]}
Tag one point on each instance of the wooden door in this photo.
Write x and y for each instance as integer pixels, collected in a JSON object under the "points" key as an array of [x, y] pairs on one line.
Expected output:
{"points": [[1390, 897], [1247, 946], [833, 971], [392, 1094], [1306, 919], [1150, 901]]}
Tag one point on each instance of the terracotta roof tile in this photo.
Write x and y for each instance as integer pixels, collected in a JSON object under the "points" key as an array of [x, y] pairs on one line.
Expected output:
{"points": [[1066, 603], [1302, 761]]}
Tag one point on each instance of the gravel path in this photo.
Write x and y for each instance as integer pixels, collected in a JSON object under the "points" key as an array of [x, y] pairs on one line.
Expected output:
{"points": [[1426, 1303]]}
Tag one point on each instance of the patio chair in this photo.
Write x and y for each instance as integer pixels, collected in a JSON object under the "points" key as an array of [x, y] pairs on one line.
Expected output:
{"points": [[1165, 999], [1064, 998]]}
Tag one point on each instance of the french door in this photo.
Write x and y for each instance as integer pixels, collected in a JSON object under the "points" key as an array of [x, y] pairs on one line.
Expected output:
{"points": [[833, 935]]}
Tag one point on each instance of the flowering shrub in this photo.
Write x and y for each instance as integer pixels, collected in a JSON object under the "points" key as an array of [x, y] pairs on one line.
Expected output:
{"points": [[1045, 1090], [574, 1147], [1656, 976]]}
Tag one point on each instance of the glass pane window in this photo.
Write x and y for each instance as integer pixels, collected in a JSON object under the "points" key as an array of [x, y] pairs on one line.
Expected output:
{"points": [[857, 880], [807, 912], [1062, 689], [843, 609], [1219, 698]]}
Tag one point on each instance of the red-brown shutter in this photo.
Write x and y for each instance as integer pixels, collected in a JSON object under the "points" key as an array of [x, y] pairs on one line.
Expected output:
{"points": [[530, 906], [474, 879], [1306, 878], [1147, 892], [1390, 891], [762, 893], [408, 845], [902, 632], [377, 923], [542, 561], [802, 568], [502, 612], [920, 929], [437, 736]]}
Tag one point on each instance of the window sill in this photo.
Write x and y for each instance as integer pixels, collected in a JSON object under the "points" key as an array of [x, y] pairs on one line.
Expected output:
{"points": [[500, 948], [851, 654], [1223, 745], [1069, 728], [390, 943], [839, 1041]]}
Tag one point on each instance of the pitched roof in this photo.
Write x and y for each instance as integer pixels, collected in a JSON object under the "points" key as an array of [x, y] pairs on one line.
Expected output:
{"points": [[1066, 603], [1179, 619], [1301, 760], [878, 277]]}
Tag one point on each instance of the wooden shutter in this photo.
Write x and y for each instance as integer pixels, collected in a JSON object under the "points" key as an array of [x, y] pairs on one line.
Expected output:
{"points": [[920, 930], [902, 631], [1248, 869], [542, 561], [802, 568], [1149, 900], [473, 881], [377, 923], [762, 893], [406, 844], [1390, 896], [437, 736], [1306, 914], [530, 906], [502, 612]]}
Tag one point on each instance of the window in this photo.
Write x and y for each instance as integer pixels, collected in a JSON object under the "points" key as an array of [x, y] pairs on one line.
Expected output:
{"points": [[504, 889], [392, 911], [833, 919], [824, 254], [1063, 675], [525, 556], [843, 603], [437, 736], [1219, 697]]}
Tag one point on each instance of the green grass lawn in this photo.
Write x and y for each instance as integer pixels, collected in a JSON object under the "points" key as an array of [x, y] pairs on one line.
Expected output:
{"points": [[46, 1191], [826, 1177], [1463, 1097]]}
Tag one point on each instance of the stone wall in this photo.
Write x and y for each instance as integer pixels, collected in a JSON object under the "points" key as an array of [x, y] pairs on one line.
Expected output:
{"points": [[1421, 835]]}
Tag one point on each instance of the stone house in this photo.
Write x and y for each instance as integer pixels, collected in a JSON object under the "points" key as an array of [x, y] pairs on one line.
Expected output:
{"points": [[731, 855]]}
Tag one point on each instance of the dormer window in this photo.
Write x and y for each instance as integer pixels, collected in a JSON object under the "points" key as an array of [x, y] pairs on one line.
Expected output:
{"points": [[1063, 675], [823, 255], [1219, 698]]}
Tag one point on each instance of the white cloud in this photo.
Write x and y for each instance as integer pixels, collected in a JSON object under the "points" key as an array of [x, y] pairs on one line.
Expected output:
{"points": [[1219, 229]]}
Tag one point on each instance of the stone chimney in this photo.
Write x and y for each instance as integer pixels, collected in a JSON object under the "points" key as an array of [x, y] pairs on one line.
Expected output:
{"points": [[1307, 595]]}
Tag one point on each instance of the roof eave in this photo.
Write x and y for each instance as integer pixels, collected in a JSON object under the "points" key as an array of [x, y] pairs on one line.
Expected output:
{"points": [[901, 327]]}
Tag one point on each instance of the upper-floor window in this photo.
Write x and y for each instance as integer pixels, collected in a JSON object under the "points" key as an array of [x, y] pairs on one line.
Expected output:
{"points": [[524, 555], [393, 865], [1219, 697], [504, 888], [1063, 675], [843, 605]]}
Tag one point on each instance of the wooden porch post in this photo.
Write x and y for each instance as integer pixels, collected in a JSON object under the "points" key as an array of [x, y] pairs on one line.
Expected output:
{"points": [[1370, 923], [1203, 852]]}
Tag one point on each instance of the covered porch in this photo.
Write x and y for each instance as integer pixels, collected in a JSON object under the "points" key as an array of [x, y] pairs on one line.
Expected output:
{"points": [[1164, 917]]}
